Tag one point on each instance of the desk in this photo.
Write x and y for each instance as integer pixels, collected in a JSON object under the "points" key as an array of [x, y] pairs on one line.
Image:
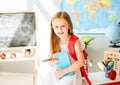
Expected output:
{"points": [[98, 78]]}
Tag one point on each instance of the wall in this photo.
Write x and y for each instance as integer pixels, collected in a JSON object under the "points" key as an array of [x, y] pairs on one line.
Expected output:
{"points": [[96, 50], [44, 10]]}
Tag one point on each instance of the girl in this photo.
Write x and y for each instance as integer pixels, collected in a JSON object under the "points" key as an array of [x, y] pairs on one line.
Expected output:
{"points": [[61, 31]]}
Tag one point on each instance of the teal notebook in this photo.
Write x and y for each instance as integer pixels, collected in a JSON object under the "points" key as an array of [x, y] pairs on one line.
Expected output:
{"points": [[63, 62]]}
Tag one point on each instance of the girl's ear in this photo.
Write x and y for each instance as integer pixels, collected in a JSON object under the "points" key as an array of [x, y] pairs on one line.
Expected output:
{"points": [[69, 31]]}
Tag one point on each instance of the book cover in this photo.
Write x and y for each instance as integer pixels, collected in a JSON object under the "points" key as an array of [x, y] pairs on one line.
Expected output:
{"points": [[115, 58], [63, 62]]}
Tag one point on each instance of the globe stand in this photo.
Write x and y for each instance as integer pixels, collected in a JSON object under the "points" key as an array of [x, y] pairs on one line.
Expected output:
{"points": [[115, 45]]}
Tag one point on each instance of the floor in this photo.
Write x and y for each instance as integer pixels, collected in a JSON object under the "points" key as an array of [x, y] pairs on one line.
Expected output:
{"points": [[16, 79]]}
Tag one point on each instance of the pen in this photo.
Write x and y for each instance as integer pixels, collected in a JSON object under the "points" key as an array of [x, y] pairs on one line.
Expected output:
{"points": [[46, 60]]}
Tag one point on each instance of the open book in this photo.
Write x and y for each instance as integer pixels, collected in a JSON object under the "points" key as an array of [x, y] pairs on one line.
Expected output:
{"points": [[64, 61]]}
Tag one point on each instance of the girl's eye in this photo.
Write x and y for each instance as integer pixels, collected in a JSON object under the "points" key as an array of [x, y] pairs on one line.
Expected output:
{"points": [[63, 25], [56, 26]]}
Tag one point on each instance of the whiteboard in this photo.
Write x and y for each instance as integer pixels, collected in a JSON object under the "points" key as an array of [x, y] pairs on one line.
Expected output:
{"points": [[17, 29]]}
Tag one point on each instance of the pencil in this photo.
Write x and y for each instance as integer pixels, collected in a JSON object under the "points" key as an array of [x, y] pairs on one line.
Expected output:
{"points": [[46, 60]]}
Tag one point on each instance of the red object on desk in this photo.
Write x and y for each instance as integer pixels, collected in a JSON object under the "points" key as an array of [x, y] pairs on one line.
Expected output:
{"points": [[12, 55], [112, 83], [3, 56], [112, 74]]}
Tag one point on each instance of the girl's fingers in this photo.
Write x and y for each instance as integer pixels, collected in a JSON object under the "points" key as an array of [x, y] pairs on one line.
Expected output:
{"points": [[55, 59]]}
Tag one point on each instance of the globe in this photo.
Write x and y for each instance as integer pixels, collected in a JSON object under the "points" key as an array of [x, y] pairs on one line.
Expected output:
{"points": [[113, 32]]}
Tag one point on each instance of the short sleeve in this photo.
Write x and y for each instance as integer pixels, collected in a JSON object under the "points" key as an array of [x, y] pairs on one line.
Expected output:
{"points": [[82, 44]]}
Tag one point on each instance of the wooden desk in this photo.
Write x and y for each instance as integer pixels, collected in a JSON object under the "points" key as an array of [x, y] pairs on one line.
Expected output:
{"points": [[98, 78]]}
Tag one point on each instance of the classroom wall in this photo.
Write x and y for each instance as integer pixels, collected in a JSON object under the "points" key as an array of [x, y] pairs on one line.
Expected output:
{"points": [[95, 51], [44, 11]]}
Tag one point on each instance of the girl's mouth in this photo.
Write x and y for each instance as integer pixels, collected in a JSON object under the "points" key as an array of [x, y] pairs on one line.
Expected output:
{"points": [[60, 33]]}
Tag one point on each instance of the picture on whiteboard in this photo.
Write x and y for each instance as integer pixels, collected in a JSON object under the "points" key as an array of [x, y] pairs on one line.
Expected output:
{"points": [[17, 29]]}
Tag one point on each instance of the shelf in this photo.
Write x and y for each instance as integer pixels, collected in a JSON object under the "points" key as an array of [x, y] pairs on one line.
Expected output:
{"points": [[17, 59], [19, 53]]}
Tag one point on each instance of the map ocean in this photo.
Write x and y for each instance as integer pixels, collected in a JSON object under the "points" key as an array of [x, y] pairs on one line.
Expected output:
{"points": [[92, 16]]}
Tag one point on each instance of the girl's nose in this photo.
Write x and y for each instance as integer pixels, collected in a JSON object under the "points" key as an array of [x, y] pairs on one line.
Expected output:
{"points": [[60, 28]]}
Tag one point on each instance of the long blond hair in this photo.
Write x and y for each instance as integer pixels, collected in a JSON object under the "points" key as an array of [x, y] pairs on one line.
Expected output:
{"points": [[54, 39]]}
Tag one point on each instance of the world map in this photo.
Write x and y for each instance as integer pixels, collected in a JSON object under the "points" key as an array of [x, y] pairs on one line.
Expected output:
{"points": [[92, 16]]}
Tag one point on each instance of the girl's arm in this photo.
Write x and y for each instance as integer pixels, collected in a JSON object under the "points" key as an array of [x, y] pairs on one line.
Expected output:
{"points": [[76, 65], [80, 62]]}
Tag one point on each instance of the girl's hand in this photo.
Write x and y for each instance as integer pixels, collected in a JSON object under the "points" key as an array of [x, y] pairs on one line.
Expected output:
{"points": [[54, 60], [59, 73]]}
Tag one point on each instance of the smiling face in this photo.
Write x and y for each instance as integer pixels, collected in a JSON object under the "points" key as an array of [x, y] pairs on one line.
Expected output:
{"points": [[60, 27]]}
